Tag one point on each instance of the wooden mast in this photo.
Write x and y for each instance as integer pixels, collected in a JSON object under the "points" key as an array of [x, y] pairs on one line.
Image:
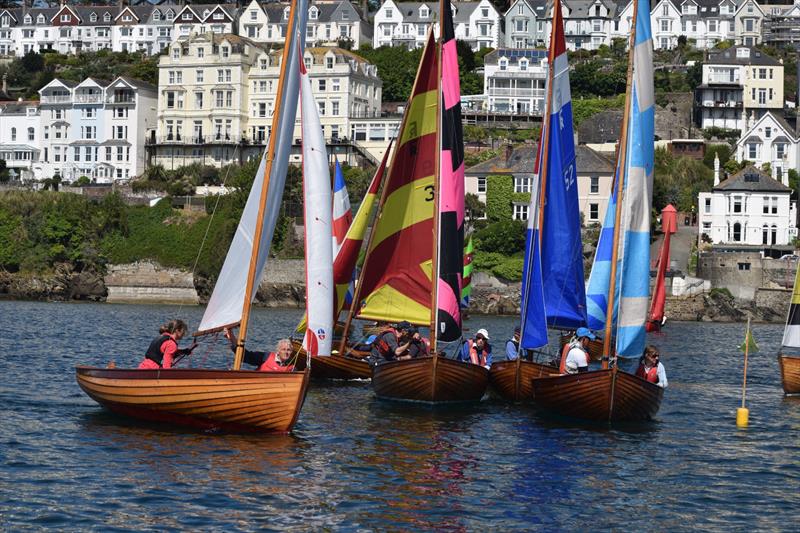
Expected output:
{"points": [[622, 154], [357, 292], [436, 174], [251, 273]]}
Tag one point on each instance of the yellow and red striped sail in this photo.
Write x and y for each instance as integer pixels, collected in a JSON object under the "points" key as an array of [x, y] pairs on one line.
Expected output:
{"points": [[396, 282]]}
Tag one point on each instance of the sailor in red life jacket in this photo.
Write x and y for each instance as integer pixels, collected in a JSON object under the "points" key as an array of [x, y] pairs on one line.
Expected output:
{"points": [[575, 354], [391, 343], [651, 369], [163, 349], [277, 361], [477, 351]]}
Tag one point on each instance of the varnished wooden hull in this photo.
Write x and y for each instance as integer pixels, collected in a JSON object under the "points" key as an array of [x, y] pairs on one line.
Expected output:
{"points": [[227, 400], [599, 395], [790, 373], [335, 366], [511, 380], [430, 379]]}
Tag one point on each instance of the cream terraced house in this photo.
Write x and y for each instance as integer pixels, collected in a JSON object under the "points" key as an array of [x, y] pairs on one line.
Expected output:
{"points": [[217, 95]]}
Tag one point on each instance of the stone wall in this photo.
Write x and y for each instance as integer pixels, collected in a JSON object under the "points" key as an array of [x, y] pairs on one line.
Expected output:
{"points": [[147, 282], [776, 299], [743, 273]]}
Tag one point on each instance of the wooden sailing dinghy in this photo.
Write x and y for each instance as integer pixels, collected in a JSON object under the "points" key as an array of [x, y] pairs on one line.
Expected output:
{"points": [[620, 305], [414, 263], [553, 294], [790, 364], [236, 400]]}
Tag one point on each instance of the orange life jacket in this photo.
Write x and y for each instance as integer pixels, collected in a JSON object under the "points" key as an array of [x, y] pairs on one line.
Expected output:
{"points": [[473, 354], [650, 375], [271, 365]]}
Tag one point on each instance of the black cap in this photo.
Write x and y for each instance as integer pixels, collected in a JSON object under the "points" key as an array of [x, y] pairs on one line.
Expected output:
{"points": [[404, 325]]}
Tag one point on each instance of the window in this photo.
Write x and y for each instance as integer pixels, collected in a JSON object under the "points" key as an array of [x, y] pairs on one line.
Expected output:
{"points": [[335, 85], [65, 18], [737, 232], [87, 153], [748, 24], [767, 132], [229, 99], [503, 64], [170, 99], [321, 108], [76, 153], [665, 25], [198, 100], [262, 109], [762, 73], [774, 205], [345, 15], [176, 53], [13, 134], [31, 134], [219, 98], [712, 26], [424, 12], [198, 74], [737, 204], [220, 75], [335, 108], [523, 65], [744, 266], [752, 151], [322, 86], [708, 205], [594, 211], [329, 62], [225, 51], [594, 185], [227, 74], [780, 150], [485, 12], [762, 96], [521, 212], [522, 184], [313, 13], [766, 206], [481, 185]]}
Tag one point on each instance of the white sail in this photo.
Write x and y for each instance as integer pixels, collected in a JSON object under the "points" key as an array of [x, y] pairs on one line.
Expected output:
{"points": [[226, 303], [317, 199]]}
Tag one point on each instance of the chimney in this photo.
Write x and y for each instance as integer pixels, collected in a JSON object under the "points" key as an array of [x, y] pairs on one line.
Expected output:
{"points": [[716, 169]]}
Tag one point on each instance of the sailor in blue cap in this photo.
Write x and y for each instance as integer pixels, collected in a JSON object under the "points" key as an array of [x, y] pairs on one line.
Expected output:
{"points": [[577, 359]]}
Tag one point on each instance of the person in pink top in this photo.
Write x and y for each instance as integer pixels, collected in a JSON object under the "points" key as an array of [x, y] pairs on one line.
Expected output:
{"points": [[163, 349]]}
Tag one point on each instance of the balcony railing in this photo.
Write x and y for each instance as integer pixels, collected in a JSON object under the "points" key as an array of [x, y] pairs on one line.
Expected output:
{"points": [[527, 93], [127, 99], [88, 98], [57, 99], [181, 139], [722, 104]]}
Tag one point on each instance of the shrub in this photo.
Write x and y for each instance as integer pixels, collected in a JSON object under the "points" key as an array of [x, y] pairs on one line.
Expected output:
{"points": [[506, 237]]}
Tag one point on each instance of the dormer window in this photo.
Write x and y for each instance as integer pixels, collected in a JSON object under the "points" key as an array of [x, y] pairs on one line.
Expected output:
{"points": [[523, 65], [170, 15], [156, 15], [225, 51], [313, 13], [286, 13], [40, 19], [5, 20], [107, 17], [205, 13], [503, 64], [329, 61], [307, 62], [28, 19], [424, 12], [345, 15]]}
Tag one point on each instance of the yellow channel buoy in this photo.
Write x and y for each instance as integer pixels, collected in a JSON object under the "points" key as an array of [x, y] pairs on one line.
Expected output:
{"points": [[742, 417]]}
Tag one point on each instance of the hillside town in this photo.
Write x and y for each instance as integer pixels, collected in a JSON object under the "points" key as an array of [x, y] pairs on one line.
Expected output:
{"points": [[211, 103]]}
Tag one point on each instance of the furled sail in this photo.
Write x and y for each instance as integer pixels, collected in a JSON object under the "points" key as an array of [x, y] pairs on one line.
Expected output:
{"points": [[631, 296], [396, 280], [228, 298], [553, 283], [342, 214], [466, 283], [317, 199], [450, 209], [791, 335]]}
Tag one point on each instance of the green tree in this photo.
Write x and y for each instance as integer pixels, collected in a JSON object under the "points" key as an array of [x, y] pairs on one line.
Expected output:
{"points": [[506, 237], [4, 174]]}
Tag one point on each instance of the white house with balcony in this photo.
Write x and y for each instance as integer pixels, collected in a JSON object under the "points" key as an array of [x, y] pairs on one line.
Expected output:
{"points": [[771, 141], [20, 138], [95, 128], [514, 81], [407, 23], [748, 208], [736, 83]]}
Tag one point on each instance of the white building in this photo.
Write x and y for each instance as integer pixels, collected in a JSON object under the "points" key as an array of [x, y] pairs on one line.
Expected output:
{"points": [[95, 128], [20, 138], [407, 23], [749, 20], [770, 141], [748, 208], [217, 96], [514, 80], [201, 18], [527, 22]]}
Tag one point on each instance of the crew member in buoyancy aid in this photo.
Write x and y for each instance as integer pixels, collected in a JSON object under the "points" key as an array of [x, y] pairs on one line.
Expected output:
{"points": [[477, 351], [576, 352], [512, 345], [651, 369], [164, 349], [277, 361], [391, 343]]}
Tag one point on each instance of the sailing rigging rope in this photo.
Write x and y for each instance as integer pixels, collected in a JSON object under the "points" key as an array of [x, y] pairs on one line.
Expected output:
{"points": [[210, 221]]}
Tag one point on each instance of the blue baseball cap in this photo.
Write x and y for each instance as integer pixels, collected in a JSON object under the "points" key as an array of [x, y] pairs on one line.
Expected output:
{"points": [[585, 332]]}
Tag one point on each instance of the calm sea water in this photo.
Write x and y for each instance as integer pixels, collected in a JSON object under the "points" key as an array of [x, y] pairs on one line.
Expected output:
{"points": [[356, 463]]}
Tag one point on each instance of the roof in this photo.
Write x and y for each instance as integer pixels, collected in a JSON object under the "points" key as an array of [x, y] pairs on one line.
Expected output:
{"points": [[16, 107], [520, 161], [514, 55], [752, 180], [730, 56], [601, 128], [587, 161]]}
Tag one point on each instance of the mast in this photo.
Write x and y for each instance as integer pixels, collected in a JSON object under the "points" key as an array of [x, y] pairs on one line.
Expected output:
{"points": [[436, 173], [620, 180], [251, 273]]}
